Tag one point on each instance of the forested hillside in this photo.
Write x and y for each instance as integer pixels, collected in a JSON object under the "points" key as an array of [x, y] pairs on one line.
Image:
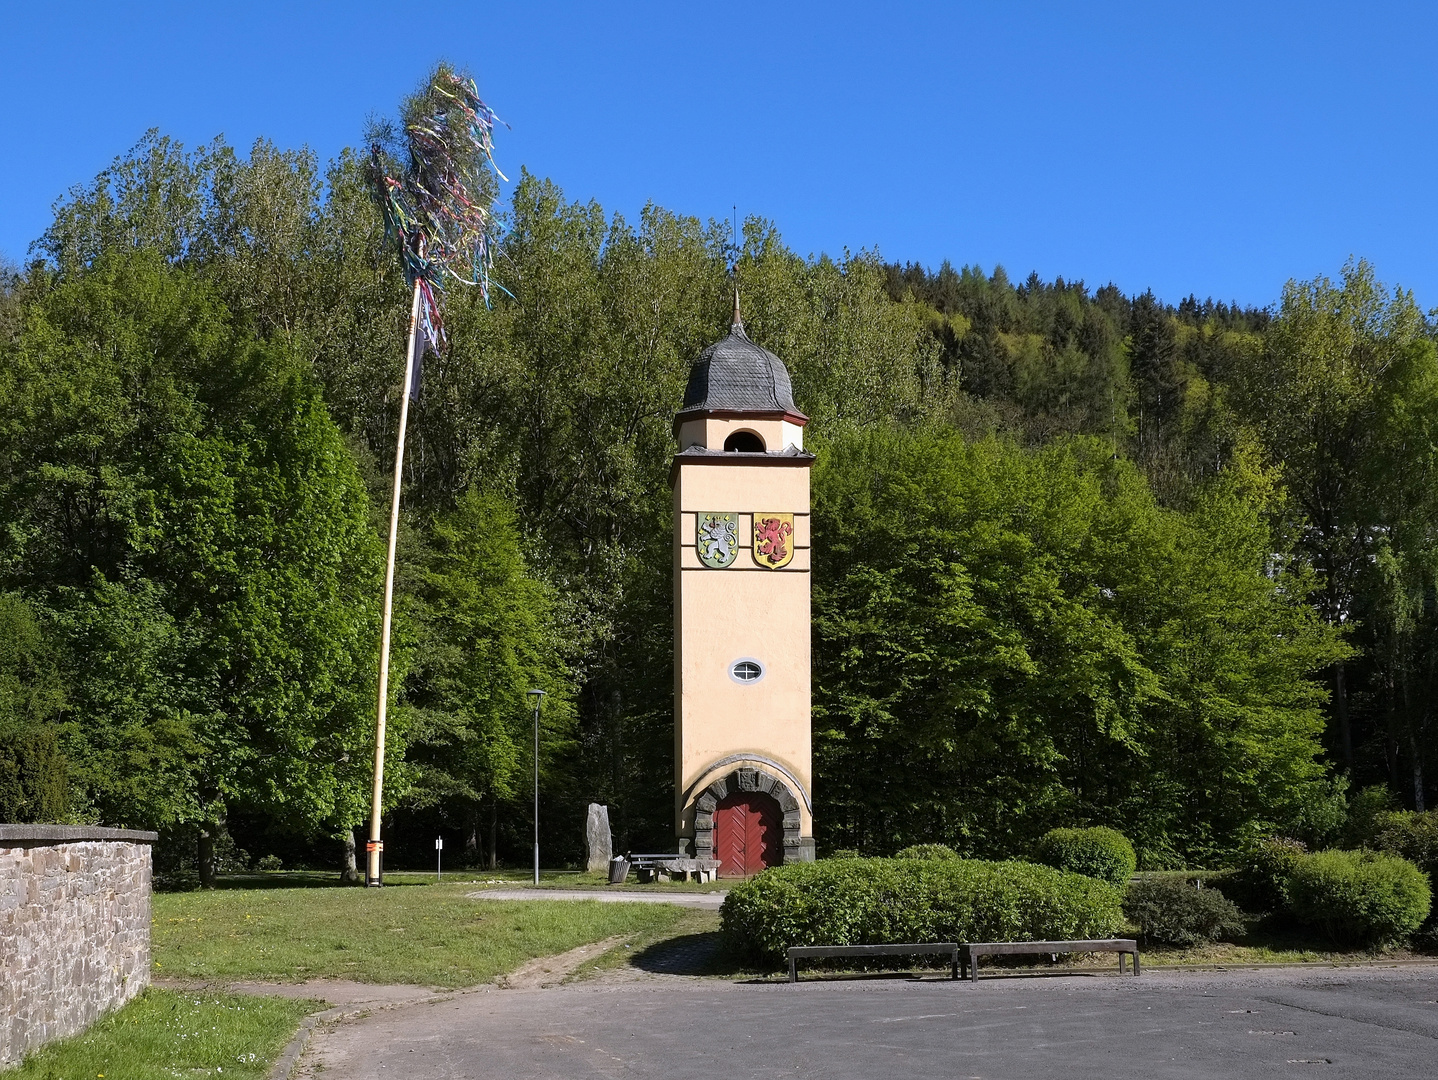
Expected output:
{"points": [[1081, 558]]}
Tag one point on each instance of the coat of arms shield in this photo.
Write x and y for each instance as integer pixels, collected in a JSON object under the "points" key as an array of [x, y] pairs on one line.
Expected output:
{"points": [[773, 539], [716, 538]]}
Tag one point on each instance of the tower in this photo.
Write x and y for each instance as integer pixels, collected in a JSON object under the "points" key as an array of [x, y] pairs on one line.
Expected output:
{"points": [[742, 737]]}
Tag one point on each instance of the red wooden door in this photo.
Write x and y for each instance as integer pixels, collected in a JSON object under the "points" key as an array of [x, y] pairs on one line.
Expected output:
{"points": [[747, 834]]}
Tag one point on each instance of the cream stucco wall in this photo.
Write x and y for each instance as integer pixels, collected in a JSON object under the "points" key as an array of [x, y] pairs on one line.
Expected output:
{"points": [[743, 611], [711, 431]]}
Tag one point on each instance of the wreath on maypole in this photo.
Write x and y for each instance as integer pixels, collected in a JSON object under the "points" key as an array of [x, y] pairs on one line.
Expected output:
{"points": [[432, 179]]}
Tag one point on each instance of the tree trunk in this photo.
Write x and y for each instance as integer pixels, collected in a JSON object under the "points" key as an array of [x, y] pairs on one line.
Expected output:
{"points": [[1340, 711], [1417, 774], [473, 854], [1390, 729], [494, 835], [349, 869], [206, 854]]}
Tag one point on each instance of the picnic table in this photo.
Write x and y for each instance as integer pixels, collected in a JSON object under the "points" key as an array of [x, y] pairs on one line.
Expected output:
{"points": [[675, 867]]}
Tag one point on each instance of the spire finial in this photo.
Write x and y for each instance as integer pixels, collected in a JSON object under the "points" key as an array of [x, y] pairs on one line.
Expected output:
{"points": [[737, 321]]}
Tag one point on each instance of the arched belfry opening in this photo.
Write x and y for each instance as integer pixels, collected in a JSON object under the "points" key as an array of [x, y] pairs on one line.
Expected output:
{"points": [[744, 442], [743, 761]]}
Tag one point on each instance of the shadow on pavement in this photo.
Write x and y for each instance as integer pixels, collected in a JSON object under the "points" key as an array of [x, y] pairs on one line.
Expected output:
{"points": [[687, 954]]}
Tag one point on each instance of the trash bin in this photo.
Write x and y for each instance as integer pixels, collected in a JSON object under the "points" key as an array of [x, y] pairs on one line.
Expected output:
{"points": [[618, 869]]}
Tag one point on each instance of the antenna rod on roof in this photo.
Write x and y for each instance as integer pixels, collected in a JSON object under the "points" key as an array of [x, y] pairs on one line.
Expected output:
{"points": [[734, 245]]}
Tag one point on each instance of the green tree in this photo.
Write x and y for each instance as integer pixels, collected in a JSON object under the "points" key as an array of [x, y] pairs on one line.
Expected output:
{"points": [[1007, 640], [179, 498], [487, 636], [33, 695], [1316, 398]]}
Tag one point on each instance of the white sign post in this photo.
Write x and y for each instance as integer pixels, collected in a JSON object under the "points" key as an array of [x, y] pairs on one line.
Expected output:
{"points": [[438, 849]]}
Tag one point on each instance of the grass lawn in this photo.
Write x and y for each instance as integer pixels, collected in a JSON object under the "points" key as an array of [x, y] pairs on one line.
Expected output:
{"points": [[165, 1033], [476, 879], [584, 880], [419, 933], [1280, 951]]}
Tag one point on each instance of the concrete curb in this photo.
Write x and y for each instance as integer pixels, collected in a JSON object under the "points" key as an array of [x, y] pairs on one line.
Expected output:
{"points": [[295, 1048], [282, 1068]]}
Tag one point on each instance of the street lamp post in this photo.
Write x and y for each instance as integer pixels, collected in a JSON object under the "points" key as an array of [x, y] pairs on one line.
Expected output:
{"points": [[538, 696]]}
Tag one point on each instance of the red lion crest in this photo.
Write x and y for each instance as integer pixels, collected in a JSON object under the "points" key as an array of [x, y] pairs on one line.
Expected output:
{"points": [[771, 539]]}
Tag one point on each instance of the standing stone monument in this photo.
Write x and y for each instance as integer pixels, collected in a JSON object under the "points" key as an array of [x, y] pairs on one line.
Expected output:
{"points": [[597, 839]]}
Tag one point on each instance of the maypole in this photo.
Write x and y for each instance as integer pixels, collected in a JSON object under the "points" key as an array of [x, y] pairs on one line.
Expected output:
{"points": [[431, 186]]}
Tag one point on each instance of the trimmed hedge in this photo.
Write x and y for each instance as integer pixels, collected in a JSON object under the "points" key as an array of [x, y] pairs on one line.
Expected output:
{"points": [[885, 901], [1173, 912], [1098, 852], [927, 851], [1359, 897]]}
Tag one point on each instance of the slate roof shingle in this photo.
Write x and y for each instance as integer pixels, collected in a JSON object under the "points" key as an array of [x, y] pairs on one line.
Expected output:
{"points": [[736, 375]]}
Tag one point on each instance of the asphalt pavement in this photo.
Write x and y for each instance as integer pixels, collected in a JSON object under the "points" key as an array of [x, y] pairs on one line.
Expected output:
{"points": [[1353, 1022]]}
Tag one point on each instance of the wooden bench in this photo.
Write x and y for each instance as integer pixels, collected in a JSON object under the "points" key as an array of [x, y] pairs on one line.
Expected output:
{"points": [[798, 952], [970, 952]]}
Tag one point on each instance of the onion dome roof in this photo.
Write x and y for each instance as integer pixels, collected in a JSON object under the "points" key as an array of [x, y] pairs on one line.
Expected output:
{"points": [[736, 375]]}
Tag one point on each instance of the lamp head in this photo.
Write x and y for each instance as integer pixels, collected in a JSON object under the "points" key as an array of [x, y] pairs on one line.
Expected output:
{"points": [[534, 693]]}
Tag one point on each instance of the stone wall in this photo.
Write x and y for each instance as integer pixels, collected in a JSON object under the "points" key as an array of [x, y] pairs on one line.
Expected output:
{"points": [[74, 929]]}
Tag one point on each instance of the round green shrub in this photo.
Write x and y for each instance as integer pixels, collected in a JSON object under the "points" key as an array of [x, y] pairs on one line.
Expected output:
{"points": [[1410, 835], [1172, 912], [1098, 852], [1414, 836], [1259, 882], [927, 851], [885, 901], [1359, 897]]}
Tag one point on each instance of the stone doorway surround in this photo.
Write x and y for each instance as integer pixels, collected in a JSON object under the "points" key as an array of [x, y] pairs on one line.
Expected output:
{"points": [[754, 776]]}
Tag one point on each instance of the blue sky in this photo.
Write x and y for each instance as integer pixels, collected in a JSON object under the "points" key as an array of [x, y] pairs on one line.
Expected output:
{"points": [[1212, 148]]}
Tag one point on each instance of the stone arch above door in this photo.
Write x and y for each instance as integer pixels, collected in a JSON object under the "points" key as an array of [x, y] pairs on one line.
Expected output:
{"points": [[748, 778]]}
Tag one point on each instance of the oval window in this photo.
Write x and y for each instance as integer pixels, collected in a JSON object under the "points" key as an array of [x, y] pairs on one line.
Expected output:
{"points": [[746, 670]]}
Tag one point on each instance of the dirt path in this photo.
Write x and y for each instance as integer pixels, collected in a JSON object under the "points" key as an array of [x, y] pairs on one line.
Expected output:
{"points": [[333, 991], [553, 970]]}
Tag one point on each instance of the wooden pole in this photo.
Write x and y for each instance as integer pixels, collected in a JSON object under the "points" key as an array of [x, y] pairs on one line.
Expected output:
{"points": [[375, 848]]}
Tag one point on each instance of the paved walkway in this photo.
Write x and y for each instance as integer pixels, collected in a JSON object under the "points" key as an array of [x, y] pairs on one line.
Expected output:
{"points": [[710, 901], [1364, 1022]]}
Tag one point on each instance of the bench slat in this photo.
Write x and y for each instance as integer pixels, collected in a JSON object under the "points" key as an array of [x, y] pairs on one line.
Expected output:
{"points": [[971, 951], [949, 948], [1098, 945], [870, 950]]}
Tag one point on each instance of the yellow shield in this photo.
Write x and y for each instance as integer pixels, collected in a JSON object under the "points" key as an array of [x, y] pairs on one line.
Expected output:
{"points": [[773, 539]]}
